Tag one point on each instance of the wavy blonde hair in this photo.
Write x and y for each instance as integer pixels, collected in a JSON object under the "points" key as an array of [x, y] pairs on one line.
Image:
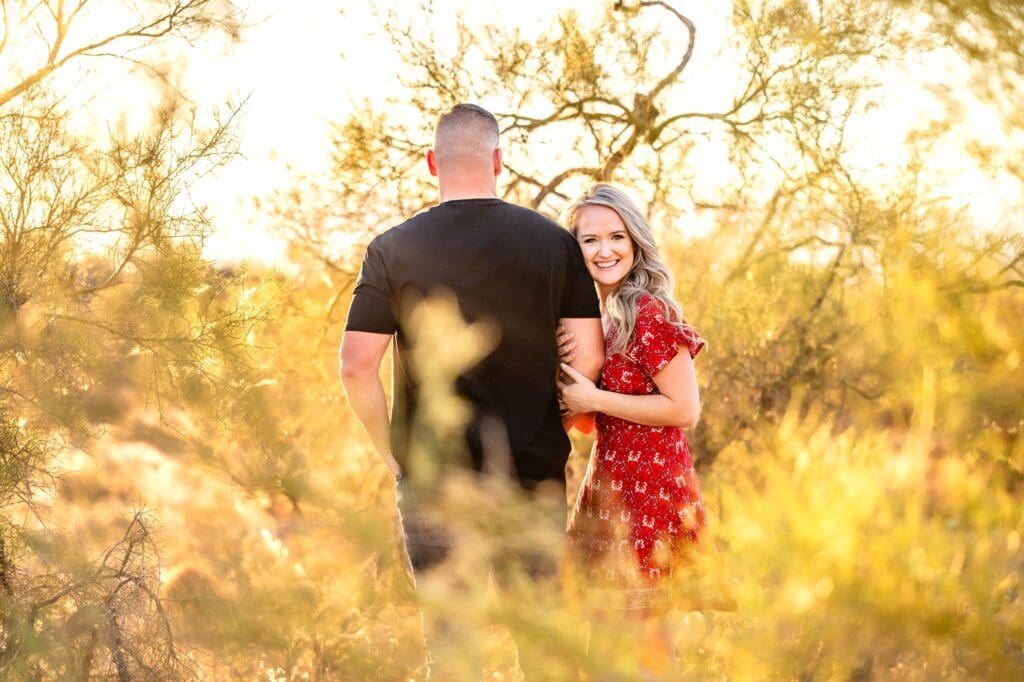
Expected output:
{"points": [[649, 274]]}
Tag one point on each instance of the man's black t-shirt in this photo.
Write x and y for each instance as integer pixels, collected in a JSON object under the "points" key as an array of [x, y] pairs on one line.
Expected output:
{"points": [[506, 264]]}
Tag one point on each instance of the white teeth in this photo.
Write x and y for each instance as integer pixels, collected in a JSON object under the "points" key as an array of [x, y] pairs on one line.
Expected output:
{"points": [[605, 266]]}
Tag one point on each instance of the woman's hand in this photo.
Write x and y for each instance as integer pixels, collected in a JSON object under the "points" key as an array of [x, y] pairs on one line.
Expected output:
{"points": [[580, 394], [567, 343]]}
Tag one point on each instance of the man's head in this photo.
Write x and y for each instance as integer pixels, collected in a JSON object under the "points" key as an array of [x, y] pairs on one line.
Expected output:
{"points": [[465, 143]]}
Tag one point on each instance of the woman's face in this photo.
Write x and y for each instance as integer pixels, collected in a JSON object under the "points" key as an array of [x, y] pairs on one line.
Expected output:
{"points": [[606, 245]]}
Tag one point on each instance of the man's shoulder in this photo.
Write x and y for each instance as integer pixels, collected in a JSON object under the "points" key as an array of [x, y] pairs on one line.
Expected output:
{"points": [[540, 229], [427, 223], [535, 219], [396, 233]]}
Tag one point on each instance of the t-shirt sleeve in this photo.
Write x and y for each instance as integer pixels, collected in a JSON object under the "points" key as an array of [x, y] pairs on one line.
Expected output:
{"points": [[372, 308], [580, 298], [658, 340]]}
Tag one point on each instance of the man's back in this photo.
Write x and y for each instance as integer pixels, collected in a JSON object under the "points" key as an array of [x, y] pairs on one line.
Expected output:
{"points": [[505, 264]]}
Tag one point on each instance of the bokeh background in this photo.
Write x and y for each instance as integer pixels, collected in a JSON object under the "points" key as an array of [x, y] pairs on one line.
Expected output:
{"points": [[186, 189]]}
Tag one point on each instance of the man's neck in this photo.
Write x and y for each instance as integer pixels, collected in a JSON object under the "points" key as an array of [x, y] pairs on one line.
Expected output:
{"points": [[455, 190], [467, 194]]}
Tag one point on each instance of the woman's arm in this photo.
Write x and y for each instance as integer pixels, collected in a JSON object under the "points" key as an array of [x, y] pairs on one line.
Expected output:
{"points": [[677, 404]]}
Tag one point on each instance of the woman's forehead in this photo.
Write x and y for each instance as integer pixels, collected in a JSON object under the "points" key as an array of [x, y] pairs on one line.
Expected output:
{"points": [[598, 220]]}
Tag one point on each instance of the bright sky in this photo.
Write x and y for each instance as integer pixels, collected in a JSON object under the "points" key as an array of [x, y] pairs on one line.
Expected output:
{"points": [[306, 63], [302, 65]]}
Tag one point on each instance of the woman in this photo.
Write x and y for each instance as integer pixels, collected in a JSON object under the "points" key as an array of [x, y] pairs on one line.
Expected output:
{"points": [[639, 514]]}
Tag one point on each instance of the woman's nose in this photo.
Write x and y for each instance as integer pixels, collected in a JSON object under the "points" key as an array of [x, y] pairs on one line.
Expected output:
{"points": [[605, 249]]}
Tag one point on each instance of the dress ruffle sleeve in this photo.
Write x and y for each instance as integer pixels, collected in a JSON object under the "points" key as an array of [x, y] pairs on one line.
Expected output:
{"points": [[657, 341]]}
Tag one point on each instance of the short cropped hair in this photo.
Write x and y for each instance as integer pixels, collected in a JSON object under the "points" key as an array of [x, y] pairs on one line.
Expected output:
{"points": [[467, 133]]}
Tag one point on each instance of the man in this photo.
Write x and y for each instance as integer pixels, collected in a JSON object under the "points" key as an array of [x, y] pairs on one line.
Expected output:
{"points": [[505, 264]]}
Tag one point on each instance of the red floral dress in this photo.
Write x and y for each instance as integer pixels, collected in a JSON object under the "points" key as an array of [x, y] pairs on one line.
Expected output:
{"points": [[639, 514]]}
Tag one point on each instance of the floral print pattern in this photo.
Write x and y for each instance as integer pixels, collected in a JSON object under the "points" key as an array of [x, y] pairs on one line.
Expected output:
{"points": [[639, 513]]}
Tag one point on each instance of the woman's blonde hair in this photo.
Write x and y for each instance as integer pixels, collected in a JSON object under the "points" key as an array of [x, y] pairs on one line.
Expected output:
{"points": [[649, 274]]}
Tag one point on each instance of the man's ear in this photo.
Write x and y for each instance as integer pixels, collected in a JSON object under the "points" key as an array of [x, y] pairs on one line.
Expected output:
{"points": [[497, 162], [432, 162]]}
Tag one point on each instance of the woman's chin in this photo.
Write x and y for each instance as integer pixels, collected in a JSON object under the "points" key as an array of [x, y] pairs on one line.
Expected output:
{"points": [[606, 281]]}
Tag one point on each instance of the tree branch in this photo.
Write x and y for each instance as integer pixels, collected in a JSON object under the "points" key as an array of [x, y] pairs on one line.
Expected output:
{"points": [[157, 28], [554, 183], [674, 74]]}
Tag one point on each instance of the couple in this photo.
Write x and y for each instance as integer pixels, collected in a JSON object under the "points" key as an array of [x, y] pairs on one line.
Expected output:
{"points": [[640, 513]]}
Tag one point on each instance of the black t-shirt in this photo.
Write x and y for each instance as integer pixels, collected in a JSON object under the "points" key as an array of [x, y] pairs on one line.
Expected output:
{"points": [[506, 264]]}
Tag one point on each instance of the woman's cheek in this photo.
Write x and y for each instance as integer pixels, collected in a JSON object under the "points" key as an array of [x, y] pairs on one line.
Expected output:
{"points": [[588, 258]]}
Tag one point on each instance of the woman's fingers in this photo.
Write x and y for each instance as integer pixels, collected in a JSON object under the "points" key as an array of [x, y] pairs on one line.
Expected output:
{"points": [[572, 374], [566, 342], [565, 351]]}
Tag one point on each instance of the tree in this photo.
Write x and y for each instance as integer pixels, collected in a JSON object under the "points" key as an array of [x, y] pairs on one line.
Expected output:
{"points": [[798, 220], [859, 330], [105, 300]]}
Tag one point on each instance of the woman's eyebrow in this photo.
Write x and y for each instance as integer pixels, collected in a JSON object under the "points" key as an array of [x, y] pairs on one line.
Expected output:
{"points": [[582, 235]]}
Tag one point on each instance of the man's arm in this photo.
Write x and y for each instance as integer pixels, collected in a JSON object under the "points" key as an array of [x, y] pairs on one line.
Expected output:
{"points": [[589, 349], [361, 355], [588, 360]]}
